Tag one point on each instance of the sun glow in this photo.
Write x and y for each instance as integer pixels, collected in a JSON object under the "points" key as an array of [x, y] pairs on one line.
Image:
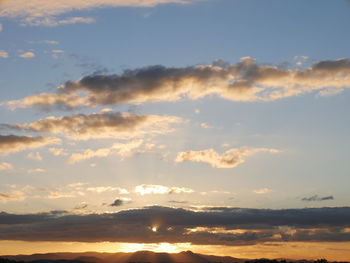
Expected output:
{"points": [[156, 247]]}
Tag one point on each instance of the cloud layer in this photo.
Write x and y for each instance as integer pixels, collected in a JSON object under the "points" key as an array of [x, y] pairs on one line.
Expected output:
{"points": [[243, 81], [228, 226], [229, 159], [101, 125]]}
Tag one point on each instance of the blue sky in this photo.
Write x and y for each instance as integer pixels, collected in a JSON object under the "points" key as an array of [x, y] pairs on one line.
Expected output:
{"points": [[282, 152]]}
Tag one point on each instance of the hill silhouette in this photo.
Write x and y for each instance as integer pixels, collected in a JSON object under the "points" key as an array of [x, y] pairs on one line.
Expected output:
{"points": [[138, 257]]}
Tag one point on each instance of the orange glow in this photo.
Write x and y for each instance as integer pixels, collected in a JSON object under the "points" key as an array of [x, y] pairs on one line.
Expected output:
{"points": [[337, 251]]}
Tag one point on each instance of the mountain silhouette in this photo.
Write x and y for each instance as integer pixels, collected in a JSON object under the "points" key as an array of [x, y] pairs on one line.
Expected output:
{"points": [[140, 257], [136, 257]]}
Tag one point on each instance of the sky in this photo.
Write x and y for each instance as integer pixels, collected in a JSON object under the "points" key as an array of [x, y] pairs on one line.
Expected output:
{"points": [[218, 126]]}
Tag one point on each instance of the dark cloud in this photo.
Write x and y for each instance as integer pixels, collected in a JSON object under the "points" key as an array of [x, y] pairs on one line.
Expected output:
{"points": [[317, 198], [14, 143], [243, 81], [117, 202], [163, 224]]}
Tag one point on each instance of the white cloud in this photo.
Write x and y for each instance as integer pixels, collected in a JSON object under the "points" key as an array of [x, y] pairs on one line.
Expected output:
{"points": [[1, 28], [145, 189], [229, 159]]}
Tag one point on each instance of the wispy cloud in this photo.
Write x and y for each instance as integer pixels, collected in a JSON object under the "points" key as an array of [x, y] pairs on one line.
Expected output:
{"points": [[229, 159], [243, 81], [124, 150], [146, 189], [52, 22], [36, 171]]}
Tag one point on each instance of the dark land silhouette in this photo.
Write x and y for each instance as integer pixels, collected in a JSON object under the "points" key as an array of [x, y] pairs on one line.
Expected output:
{"points": [[140, 257]]}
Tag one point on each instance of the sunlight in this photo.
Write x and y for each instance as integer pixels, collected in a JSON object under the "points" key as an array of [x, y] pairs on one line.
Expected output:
{"points": [[156, 247]]}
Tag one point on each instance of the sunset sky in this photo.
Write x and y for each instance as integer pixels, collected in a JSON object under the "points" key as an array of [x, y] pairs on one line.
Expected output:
{"points": [[217, 126]]}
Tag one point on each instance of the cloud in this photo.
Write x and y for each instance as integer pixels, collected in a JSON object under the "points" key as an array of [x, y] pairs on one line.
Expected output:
{"points": [[57, 151], [103, 189], [230, 226], [229, 159], [120, 202], [14, 143], [15, 194], [243, 81], [317, 198], [101, 125], [262, 191], [3, 54], [1, 28], [11, 196], [117, 202], [27, 55], [50, 42], [52, 22], [5, 166], [147, 189], [37, 170], [80, 206], [124, 150], [34, 156], [42, 8]]}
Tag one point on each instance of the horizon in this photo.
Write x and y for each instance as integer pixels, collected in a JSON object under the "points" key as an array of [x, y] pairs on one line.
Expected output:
{"points": [[215, 126]]}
